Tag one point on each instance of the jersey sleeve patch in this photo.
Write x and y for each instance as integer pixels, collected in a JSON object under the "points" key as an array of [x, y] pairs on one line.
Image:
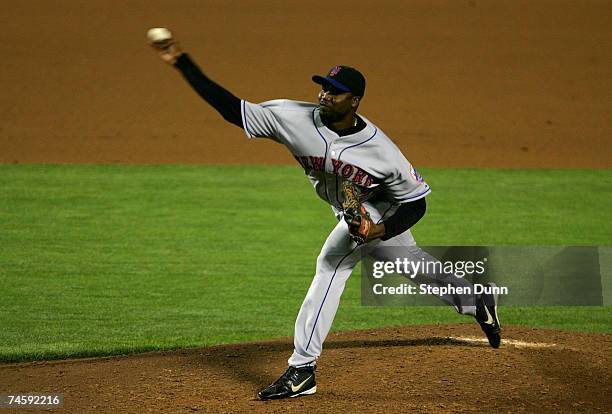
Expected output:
{"points": [[404, 183]]}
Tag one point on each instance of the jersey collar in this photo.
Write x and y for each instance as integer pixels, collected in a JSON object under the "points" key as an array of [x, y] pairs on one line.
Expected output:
{"points": [[353, 132]]}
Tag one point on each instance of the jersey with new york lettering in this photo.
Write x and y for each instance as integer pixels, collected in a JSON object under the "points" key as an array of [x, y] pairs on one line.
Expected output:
{"points": [[368, 158]]}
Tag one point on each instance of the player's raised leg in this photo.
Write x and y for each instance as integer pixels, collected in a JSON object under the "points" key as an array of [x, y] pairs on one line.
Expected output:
{"points": [[403, 247], [482, 307]]}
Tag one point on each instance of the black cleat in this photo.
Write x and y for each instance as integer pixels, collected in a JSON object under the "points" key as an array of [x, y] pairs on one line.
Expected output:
{"points": [[293, 383], [486, 315]]}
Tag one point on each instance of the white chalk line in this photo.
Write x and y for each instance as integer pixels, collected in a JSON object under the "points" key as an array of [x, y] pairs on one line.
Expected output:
{"points": [[513, 342]]}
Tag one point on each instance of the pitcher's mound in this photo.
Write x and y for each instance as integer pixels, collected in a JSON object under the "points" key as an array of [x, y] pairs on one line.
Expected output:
{"points": [[445, 368]]}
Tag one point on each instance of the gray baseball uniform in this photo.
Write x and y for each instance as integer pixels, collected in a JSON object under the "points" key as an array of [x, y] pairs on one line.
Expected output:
{"points": [[373, 162]]}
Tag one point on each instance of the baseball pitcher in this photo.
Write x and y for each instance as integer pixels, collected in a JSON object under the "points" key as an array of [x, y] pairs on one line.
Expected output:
{"points": [[373, 190]]}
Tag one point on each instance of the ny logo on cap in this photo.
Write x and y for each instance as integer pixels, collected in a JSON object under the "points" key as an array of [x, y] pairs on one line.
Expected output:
{"points": [[334, 71]]}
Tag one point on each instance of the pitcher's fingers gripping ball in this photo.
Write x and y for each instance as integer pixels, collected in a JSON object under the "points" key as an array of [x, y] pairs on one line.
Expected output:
{"points": [[358, 219], [163, 42]]}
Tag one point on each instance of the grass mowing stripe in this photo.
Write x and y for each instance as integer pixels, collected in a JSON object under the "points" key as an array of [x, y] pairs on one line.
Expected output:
{"points": [[107, 259]]}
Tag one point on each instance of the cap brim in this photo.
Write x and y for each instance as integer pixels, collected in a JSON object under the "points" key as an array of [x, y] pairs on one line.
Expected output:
{"points": [[327, 80]]}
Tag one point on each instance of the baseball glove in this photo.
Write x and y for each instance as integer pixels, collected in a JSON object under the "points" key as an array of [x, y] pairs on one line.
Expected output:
{"points": [[358, 219]]}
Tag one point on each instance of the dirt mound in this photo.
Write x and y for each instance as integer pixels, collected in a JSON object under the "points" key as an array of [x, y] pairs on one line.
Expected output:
{"points": [[445, 368]]}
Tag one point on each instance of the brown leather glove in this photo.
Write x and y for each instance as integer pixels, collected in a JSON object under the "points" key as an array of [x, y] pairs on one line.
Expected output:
{"points": [[358, 219]]}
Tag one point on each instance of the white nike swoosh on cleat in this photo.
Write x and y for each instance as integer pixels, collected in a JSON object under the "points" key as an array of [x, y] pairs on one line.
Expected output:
{"points": [[490, 319], [296, 389], [311, 391]]}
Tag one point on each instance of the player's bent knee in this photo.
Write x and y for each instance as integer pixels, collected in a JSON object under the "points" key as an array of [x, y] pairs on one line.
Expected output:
{"points": [[323, 263]]}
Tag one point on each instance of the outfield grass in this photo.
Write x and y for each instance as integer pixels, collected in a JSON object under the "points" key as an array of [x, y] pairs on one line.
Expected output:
{"points": [[98, 260]]}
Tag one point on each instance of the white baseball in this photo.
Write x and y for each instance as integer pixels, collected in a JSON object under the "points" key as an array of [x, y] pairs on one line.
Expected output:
{"points": [[158, 34]]}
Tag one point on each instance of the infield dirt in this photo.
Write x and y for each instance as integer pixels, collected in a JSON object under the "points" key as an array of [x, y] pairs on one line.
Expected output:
{"points": [[456, 84], [428, 369]]}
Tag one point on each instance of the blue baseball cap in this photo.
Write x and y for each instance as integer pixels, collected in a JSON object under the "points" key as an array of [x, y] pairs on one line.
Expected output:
{"points": [[345, 78]]}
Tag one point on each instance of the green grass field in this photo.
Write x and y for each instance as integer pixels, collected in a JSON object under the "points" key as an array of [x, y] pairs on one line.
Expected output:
{"points": [[98, 260]]}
